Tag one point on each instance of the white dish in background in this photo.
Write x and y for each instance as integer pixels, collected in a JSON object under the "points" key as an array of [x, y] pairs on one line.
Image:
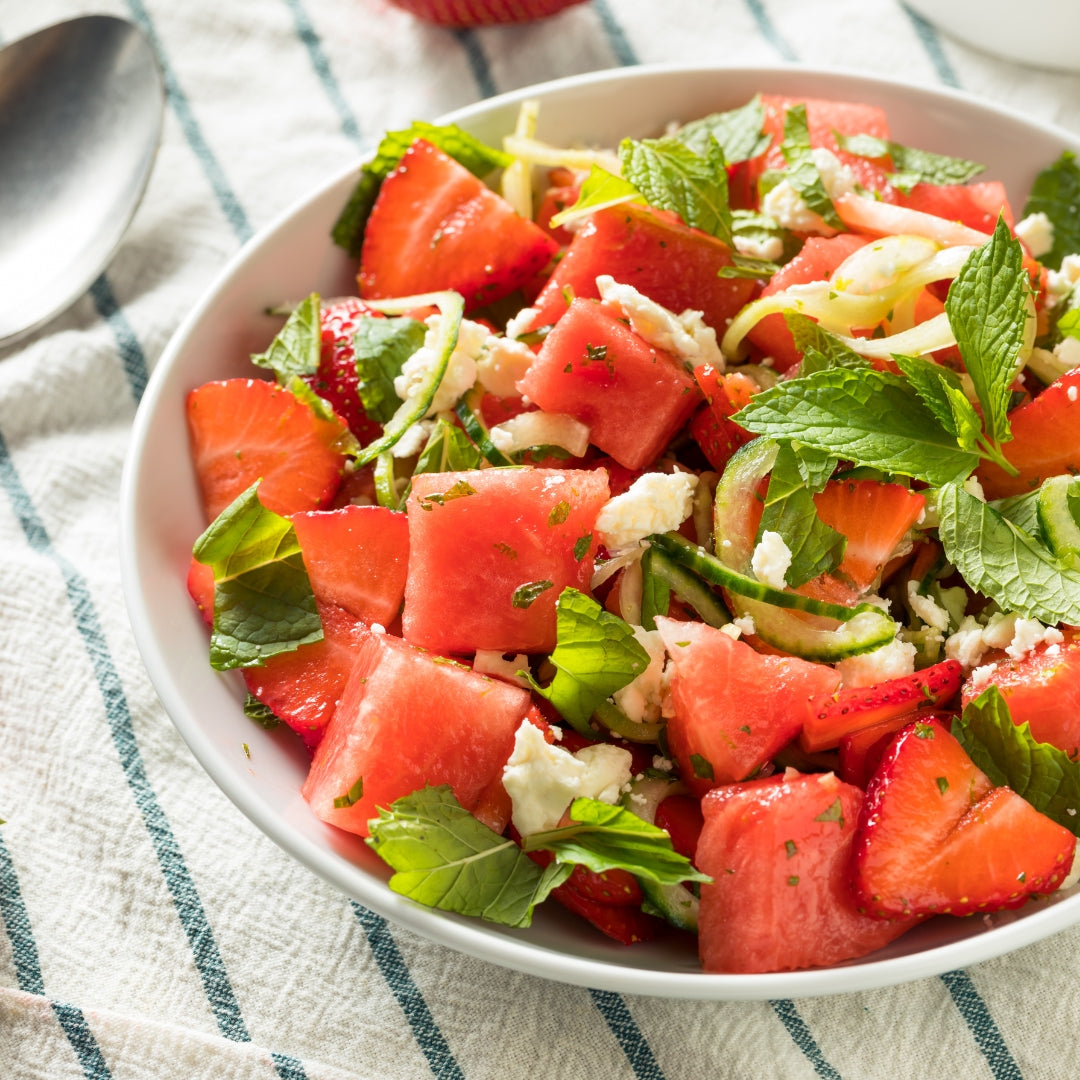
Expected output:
{"points": [[161, 516], [1043, 35]]}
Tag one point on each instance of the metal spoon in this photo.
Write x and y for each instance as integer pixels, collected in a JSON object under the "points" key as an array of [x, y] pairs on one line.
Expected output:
{"points": [[81, 108]]}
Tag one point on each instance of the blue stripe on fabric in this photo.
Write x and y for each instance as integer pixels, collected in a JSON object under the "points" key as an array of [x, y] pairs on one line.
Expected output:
{"points": [[131, 352], [395, 971], [617, 39], [801, 1037], [226, 197], [612, 1008], [478, 64], [768, 30], [208, 960], [932, 44], [984, 1030], [305, 31], [24, 952]]}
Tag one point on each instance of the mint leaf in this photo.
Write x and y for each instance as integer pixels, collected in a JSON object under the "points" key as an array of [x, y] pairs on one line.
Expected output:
{"points": [[448, 449], [802, 173], [816, 548], [444, 858], [738, 131], [262, 714], [866, 416], [524, 596], [600, 189], [1038, 772], [595, 655], [671, 176], [943, 394], [382, 347], [1021, 510], [912, 166], [479, 159], [295, 349], [987, 308], [1056, 193], [999, 560], [605, 837], [263, 603], [819, 348]]}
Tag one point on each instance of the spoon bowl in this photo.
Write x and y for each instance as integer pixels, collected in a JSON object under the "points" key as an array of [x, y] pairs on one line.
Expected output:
{"points": [[81, 107]]}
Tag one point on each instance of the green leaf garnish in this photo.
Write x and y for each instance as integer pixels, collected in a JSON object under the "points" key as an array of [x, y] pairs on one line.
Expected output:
{"points": [[819, 348], [460, 489], [263, 603], [912, 166], [448, 449], [1056, 193], [738, 131], [352, 796], [479, 159], [866, 416], [1001, 561], [444, 858], [262, 714], [1045, 776], [525, 596], [942, 391], [295, 350], [987, 308], [671, 176], [604, 837], [801, 172], [382, 347], [595, 655], [601, 189]]}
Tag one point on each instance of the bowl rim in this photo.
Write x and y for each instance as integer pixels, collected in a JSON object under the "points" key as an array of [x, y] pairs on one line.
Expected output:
{"points": [[471, 936]]}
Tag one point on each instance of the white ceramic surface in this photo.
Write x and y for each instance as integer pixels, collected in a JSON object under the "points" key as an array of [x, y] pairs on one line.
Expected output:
{"points": [[161, 517], [1044, 34]]}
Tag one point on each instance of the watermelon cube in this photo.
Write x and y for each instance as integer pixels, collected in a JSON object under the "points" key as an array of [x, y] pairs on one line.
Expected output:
{"points": [[407, 719], [491, 549], [633, 397]]}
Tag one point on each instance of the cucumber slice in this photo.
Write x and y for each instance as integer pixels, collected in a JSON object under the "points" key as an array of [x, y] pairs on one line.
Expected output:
{"points": [[661, 576], [675, 903], [788, 621], [618, 723], [452, 307], [468, 410], [1058, 507]]}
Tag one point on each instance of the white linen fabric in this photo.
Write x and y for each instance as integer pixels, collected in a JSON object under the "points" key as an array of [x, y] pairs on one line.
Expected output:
{"points": [[147, 929]]}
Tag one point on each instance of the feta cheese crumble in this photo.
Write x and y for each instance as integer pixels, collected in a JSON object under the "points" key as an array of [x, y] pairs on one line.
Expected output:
{"points": [[684, 336], [654, 503], [542, 779], [1013, 633], [771, 560], [892, 661], [927, 608], [1037, 231], [648, 696], [460, 370]]}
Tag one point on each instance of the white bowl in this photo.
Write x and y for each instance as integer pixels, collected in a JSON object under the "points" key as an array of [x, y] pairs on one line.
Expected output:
{"points": [[1043, 35], [161, 516]]}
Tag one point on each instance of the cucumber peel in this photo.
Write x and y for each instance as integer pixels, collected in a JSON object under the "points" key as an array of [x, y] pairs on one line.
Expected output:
{"points": [[1057, 505]]}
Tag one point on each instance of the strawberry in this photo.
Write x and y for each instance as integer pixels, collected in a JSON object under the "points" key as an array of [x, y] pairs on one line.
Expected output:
{"points": [[243, 430], [712, 427], [1041, 689], [1045, 442], [875, 518], [835, 715], [302, 687], [778, 851], [436, 226], [861, 751], [681, 816], [337, 379], [936, 836], [463, 13], [356, 558]]}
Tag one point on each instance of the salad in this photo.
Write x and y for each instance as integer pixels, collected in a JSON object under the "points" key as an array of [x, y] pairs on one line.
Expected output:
{"points": [[686, 533]]}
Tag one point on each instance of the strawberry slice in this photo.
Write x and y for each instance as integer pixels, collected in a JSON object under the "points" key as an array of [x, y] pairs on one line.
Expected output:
{"points": [[936, 837], [861, 751], [463, 13], [778, 851], [246, 429], [712, 427], [436, 226], [337, 379], [357, 558], [1045, 442], [875, 518], [302, 687], [834, 715], [1043, 690]]}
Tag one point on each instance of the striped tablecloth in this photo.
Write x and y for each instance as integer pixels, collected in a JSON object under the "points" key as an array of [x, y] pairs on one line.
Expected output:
{"points": [[148, 929]]}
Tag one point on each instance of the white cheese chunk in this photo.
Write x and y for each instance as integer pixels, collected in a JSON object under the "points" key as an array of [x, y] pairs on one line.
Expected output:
{"points": [[771, 559], [654, 503], [892, 661], [1037, 231], [645, 699]]}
